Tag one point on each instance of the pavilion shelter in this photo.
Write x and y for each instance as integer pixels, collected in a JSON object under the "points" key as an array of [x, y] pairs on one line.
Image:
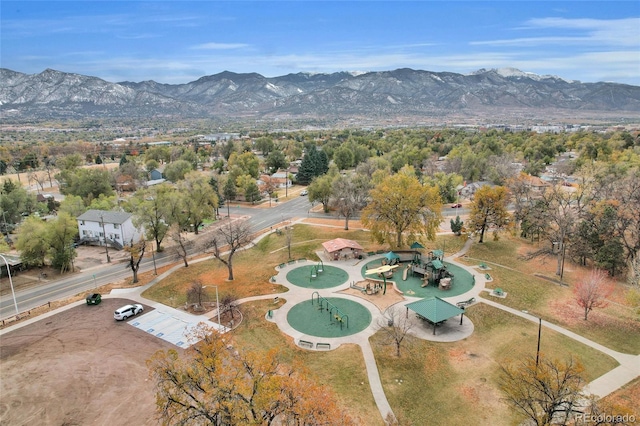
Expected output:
{"points": [[434, 310]]}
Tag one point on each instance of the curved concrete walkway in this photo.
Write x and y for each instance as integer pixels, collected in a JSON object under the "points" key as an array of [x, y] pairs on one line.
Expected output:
{"points": [[449, 332], [628, 369]]}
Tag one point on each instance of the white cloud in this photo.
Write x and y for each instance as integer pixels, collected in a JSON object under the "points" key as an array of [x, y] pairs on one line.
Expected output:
{"points": [[587, 32]]}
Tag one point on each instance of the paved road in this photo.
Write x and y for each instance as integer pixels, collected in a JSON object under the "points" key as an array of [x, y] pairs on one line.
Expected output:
{"points": [[259, 217]]}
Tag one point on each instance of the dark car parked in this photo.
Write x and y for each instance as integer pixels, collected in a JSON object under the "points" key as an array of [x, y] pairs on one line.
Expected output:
{"points": [[94, 299]]}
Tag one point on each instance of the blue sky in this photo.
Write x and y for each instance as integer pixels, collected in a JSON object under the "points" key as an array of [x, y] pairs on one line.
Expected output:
{"points": [[180, 41]]}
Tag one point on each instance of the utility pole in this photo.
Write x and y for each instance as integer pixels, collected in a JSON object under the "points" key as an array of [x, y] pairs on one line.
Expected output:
{"points": [[104, 233], [539, 334]]}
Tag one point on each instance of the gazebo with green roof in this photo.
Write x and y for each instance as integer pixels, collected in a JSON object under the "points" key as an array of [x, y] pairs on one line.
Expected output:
{"points": [[435, 310]]}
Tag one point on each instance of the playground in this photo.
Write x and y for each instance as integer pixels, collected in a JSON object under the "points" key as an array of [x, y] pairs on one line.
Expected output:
{"points": [[329, 317], [341, 301], [412, 284], [317, 276]]}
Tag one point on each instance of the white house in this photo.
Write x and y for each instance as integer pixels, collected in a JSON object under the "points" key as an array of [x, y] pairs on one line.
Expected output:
{"points": [[282, 179], [118, 228]]}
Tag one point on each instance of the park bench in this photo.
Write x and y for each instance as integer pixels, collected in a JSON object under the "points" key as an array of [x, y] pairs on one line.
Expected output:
{"points": [[466, 303]]}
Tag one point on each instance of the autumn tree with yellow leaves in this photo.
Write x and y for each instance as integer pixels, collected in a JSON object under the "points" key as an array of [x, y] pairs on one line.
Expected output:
{"points": [[214, 383], [489, 209], [544, 390], [400, 207]]}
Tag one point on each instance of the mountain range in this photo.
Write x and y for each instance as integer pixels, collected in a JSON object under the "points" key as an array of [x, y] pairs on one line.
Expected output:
{"points": [[401, 93]]}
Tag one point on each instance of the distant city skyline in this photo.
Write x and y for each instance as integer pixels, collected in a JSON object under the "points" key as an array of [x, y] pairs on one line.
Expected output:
{"points": [[181, 41]]}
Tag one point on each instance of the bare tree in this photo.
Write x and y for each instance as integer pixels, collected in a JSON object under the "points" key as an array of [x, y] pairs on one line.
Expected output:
{"points": [[546, 392], [348, 196], [136, 253], [288, 234], [395, 326], [627, 192], [37, 178], [228, 304], [564, 209], [231, 237], [178, 236], [196, 293], [592, 291]]}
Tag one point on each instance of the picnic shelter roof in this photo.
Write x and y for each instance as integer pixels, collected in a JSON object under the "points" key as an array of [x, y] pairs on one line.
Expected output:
{"points": [[339, 244], [434, 309]]}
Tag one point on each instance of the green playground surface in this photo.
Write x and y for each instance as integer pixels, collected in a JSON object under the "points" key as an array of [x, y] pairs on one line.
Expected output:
{"points": [[329, 277], [307, 317], [462, 282]]}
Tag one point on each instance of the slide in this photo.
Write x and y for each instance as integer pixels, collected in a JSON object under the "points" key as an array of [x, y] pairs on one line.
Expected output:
{"points": [[404, 273]]}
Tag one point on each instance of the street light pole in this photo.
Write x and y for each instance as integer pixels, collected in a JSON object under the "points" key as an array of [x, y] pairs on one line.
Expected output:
{"points": [[218, 305], [15, 303], [104, 233], [155, 271], [562, 267]]}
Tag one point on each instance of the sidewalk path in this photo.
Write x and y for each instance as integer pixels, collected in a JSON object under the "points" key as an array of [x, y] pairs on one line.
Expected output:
{"points": [[627, 371]]}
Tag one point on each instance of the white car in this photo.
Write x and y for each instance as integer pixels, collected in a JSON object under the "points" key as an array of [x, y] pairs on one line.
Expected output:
{"points": [[127, 311], [304, 192]]}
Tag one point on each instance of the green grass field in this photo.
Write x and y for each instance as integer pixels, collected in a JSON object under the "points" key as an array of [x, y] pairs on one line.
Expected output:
{"points": [[610, 326], [432, 383]]}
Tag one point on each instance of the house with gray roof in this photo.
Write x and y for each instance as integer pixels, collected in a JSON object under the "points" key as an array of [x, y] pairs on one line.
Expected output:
{"points": [[100, 227]]}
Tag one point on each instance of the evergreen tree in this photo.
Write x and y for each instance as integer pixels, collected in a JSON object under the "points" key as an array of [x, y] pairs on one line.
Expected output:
{"points": [[306, 172], [314, 163], [456, 226], [229, 189], [216, 188], [321, 163], [252, 192]]}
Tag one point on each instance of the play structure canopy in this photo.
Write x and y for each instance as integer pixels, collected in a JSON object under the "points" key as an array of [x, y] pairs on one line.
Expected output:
{"points": [[438, 253], [437, 265], [391, 255], [416, 246], [434, 309]]}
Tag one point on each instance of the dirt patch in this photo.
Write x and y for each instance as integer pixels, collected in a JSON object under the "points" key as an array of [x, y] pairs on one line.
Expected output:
{"points": [[382, 301], [78, 366], [338, 223]]}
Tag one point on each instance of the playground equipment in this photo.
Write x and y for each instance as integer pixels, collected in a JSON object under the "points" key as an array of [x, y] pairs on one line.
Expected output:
{"points": [[382, 271], [434, 272], [333, 310], [316, 269]]}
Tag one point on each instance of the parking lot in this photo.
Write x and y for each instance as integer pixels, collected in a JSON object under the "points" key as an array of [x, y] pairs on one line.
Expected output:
{"points": [[78, 367]]}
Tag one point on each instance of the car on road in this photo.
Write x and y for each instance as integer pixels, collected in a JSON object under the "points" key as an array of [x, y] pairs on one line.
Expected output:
{"points": [[304, 192], [455, 206], [127, 311], [94, 299]]}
